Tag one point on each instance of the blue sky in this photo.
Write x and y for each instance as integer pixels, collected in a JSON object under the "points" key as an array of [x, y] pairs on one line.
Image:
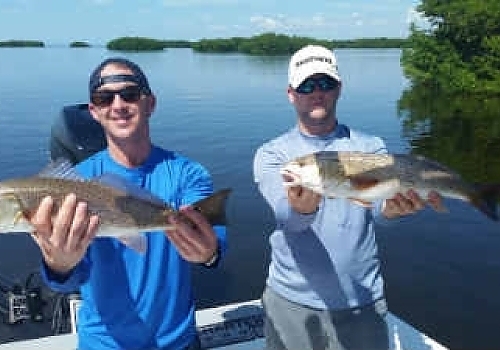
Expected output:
{"points": [[98, 21]]}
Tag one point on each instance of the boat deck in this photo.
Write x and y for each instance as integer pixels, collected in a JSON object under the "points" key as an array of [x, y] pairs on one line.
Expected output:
{"points": [[237, 326]]}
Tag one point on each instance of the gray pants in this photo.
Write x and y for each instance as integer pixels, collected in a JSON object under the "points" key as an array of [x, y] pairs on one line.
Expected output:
{"points": [[290, 326]]}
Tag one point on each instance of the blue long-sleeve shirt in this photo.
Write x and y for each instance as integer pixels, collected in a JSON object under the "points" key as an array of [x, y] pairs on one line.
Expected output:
{"points": [[328, 259], [133, 300]]}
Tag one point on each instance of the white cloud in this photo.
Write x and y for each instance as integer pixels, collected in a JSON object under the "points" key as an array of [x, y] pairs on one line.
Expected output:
{"points": [[318, 20], [282, 22], [337, 20], [268, 23]]}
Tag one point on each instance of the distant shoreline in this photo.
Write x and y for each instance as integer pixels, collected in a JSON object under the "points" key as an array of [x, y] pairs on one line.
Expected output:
{"points": [[264, 44]]}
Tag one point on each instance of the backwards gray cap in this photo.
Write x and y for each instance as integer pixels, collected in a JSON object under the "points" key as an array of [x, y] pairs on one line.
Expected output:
{"points": [[137, 75]]}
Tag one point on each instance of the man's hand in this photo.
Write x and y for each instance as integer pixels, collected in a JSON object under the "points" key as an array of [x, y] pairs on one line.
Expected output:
{"points": [[401, 205], [303, 200], [63, 239], [194, 238]]}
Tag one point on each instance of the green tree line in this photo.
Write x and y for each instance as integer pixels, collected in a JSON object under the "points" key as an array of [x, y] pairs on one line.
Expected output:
{"points": [[145, 44], [21, 43], [459, 52], [279, 44], [136, 44], [79, 44], [264, 44]]}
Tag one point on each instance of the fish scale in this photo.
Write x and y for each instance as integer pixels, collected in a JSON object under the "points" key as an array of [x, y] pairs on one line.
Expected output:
{"points": [[101, 200]]}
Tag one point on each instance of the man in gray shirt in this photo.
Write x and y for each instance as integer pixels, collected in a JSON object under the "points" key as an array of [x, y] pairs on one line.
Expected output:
{"points": [[324, 288]]}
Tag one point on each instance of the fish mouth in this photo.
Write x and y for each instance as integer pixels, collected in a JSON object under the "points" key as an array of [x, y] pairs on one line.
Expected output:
{"points": [[290, 178]]}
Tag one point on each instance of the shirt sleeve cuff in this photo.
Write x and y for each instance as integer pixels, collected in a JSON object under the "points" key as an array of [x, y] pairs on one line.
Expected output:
{"points": [[59, 282]]}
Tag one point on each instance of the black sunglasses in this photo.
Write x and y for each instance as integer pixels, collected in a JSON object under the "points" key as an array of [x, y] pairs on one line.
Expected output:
{"points": [[104, 98], [324, 83]]}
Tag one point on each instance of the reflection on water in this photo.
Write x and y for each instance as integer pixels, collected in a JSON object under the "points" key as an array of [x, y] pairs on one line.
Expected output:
{"points": [[463, 133], [443, 270]]}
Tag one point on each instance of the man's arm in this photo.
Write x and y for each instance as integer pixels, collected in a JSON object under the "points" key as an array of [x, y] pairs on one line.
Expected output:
{"points": [[197, 241], [294, 208]]}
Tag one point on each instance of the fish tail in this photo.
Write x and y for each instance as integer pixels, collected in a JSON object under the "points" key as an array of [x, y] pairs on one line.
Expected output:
{"points": [[486, 200], [214, 207]]}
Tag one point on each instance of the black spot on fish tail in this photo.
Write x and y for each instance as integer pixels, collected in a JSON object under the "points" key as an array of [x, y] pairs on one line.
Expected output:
{"points": [[486, 200], [214, 207]]}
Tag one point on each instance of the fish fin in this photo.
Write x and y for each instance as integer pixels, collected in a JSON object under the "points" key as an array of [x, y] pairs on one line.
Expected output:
{"points": [[60, 168], [20, 216], [139, 242], [362, 183], [117, 182], [486, 200], [360, 202], [214, 207]]}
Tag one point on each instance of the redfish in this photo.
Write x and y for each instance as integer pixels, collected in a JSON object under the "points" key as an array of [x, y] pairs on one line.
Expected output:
{"points": [[366, 177], [124, 209]]}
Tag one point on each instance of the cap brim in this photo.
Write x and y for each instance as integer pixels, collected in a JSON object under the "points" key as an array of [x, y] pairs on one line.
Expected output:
{"points": [[299, 78]]}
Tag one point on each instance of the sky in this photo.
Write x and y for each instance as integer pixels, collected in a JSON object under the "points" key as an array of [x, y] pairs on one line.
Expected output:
{"points": [[99, 21]]}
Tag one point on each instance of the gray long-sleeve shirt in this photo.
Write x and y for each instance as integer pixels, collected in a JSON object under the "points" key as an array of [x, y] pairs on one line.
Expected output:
{"points": [[328, 259]]}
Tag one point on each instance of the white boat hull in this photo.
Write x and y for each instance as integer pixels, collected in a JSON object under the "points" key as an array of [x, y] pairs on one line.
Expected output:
{"points": [[236, 327]]}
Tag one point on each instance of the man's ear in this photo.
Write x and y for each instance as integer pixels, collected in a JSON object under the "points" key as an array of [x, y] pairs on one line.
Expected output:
{"points": [[93, 113], [291, 96], [151, 105]]}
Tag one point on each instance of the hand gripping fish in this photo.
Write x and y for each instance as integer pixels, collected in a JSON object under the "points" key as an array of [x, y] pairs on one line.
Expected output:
{"points": [[365, 177], [125, 210]]}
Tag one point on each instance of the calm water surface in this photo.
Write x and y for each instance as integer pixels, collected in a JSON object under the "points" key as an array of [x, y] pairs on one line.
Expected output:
{"points": [[442, 271]]}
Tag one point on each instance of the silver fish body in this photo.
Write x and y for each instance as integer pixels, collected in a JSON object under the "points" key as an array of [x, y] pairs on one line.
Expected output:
{"points": [[123, 211], [366, 177]]}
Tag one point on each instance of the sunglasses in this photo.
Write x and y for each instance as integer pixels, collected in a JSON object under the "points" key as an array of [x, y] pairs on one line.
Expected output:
{"points": [[324, 83], [104, 98]]}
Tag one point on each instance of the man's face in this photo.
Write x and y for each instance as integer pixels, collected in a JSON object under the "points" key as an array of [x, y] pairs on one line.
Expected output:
{"points": [[120, 107], [315, 96], [315, 99]]}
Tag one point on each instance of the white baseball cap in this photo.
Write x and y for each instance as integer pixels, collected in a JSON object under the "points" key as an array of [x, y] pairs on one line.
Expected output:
{"points": [[310, 60]]}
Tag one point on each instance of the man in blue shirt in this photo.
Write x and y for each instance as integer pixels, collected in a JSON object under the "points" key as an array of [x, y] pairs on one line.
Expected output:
{"points": [[324, 288], [130, 300]]}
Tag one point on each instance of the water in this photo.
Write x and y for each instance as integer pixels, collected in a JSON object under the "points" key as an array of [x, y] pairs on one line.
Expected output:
{"points": [[442, 271]]}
